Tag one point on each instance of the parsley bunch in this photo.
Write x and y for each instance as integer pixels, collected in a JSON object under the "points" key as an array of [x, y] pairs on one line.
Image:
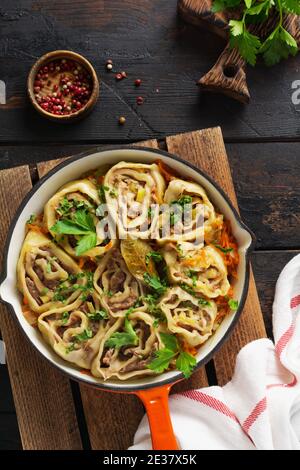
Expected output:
{"points": [[278, 45]]}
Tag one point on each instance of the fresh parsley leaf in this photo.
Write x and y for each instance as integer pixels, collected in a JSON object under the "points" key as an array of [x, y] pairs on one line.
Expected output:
{"points": [[70, 348], [86, 243], [224, 250], [247, 44], [101, 191], [248, 3], [279, 45], [98, 315], [162, 360], [64, 206], [233, 304], [185, 362], [291, 6], [193, 275], [45, 290], [109, 293], [65, 317], [220, 5], [68, 227], [169, 341], [204, 302], [84, 219], [155, 255], [113, 193], [49, 264], [188, 289], [84, 336], [155, 283], [126, 338], [31, 219]]}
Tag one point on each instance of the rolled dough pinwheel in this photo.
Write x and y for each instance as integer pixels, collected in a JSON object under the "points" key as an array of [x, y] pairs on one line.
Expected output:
{"points": [[192, 217], [117, 288], [76, 202], [42, 268], [76, 335], [190, 317], [202, 270], [127, 348], [130, 190]]}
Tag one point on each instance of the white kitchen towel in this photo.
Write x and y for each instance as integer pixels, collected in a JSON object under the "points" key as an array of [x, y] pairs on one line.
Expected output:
{"points": [[260, 407]]}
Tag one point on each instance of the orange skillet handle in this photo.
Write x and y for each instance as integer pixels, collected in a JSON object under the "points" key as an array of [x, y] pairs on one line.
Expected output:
{"points": [[156, 403]]}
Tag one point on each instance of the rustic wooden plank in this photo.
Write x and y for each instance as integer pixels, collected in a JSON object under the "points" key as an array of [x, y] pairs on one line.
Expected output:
{"points": [[44, 167], [267, 183], [206, 150], [42, 396], [91, 28]]}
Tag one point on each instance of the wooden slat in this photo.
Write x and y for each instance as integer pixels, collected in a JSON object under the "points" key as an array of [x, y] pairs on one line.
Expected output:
{"points": [[44, 167], [206, 150], [42, 396]]}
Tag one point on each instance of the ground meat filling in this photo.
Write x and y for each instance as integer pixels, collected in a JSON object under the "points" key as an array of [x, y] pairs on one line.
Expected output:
{"points": [[33, 290]]}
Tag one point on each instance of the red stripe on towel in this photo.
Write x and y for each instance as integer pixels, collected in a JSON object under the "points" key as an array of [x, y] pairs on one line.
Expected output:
{"points": [[257, 410]]}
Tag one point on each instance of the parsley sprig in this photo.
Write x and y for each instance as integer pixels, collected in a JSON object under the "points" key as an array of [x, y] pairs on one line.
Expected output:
{"points": [[277, 46], [82, 225], [185, 362], [128, 337]]}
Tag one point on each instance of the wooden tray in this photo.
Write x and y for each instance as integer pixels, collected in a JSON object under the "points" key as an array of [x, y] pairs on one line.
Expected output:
{"points": [[45, 399]]}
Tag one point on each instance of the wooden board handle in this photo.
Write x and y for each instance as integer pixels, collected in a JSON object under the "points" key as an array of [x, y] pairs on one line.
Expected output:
{"points": [[228, 76]]}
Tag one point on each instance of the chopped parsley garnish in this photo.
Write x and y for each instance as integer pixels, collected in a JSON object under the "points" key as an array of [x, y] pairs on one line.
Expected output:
{"points": [[98, 315], [31, 219], [193, 275], [204, 302], [49, 264], [65, 317], [113, 193], [84, 336], [155, 256], [70, 348], [128, 337], [233, 304], [190, 290], [155, 283], [224, 250], [109, 293], [65, 288], [101, 191], [44, 291]]}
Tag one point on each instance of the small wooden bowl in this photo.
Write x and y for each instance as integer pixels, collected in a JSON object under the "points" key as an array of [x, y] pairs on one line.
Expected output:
{"points": [[69, 55]]}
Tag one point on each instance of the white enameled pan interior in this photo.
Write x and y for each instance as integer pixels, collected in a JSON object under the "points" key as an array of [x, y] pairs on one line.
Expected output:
{"points": [[8, 290]]}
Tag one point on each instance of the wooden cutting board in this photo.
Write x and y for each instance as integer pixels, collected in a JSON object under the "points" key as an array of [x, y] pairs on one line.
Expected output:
{"points": [[228, 75], [54, 413]]}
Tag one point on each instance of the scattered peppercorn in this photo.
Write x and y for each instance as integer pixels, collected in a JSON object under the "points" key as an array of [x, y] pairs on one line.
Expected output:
{"points": [[109, 61], [124, 74], [109, 66], [122, 120], [118, 76], [140, 100], [138, 82]]}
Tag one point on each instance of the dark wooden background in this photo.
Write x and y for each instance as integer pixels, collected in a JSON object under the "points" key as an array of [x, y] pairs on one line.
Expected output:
{"points": [[147, 40]]}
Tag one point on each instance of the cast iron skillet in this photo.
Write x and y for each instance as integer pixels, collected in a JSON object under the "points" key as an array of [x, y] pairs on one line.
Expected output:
{"points": [[153, 391]]}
